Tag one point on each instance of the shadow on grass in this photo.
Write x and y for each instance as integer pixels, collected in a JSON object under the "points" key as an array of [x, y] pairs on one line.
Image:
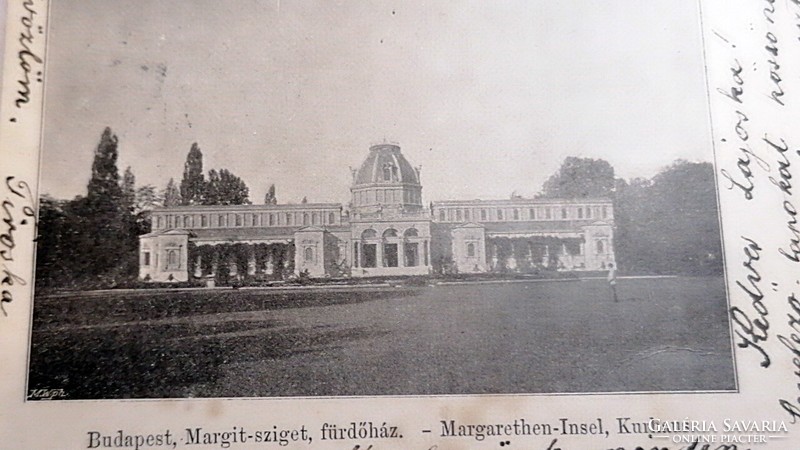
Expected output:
{"points": [[54, 311], [162, 361]]}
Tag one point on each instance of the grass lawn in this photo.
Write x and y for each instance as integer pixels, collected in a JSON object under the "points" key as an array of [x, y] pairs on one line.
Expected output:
{"points": [[537, 337]]}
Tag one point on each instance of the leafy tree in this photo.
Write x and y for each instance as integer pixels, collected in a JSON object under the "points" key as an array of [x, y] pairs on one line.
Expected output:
{"points": [[669, 224], [581, 178], [225, 188], [57, 261], [193, 183], [172, 196], [269, 198]]}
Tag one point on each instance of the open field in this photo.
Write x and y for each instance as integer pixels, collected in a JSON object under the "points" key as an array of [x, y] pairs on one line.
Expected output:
{"points": [[537, 337]]}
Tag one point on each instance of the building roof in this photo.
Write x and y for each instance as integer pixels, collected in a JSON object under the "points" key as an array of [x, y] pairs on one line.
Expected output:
{"points": [[521, 202], [371, 170], [186, 209], [539, 226]]}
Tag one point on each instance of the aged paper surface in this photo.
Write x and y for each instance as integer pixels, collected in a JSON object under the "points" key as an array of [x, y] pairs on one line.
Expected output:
{"points": [[525, 225]]}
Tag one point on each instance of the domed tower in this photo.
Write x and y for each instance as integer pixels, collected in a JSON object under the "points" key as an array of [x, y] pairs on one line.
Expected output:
{"points": [[386, 182]]}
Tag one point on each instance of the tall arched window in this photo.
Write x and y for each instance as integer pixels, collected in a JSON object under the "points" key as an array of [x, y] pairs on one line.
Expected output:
{"points": [[172, 259], [471, 249], [369, 234], [331, 218], [305, 218], [600, 247], [308, 254]]}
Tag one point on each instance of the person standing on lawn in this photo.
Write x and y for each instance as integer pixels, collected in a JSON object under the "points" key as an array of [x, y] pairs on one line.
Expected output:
{"points": [[612, 280]]}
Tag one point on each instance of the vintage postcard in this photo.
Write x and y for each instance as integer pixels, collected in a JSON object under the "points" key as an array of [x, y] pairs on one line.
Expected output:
{"points": [[400, 225]]}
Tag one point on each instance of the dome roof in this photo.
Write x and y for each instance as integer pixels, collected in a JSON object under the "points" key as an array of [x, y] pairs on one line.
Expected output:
{"points": [[385, 164]]}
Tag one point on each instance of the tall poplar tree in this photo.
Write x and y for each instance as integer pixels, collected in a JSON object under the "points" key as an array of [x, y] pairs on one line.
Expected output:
{"points": [[193, 183], [102, 214], [128, 190], [269, 197]]}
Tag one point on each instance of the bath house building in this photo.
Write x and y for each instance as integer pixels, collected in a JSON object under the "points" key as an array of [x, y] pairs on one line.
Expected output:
{"points": [[385, 230]]}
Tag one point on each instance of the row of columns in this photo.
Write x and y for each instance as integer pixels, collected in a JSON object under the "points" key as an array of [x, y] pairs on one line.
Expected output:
{"points": [[380, 261]]}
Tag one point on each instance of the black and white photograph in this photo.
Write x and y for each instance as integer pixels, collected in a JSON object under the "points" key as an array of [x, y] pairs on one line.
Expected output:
{"points": [[266, 199]]}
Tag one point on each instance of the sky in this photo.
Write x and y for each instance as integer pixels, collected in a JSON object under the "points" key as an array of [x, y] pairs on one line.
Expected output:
{"points": [[488, 97]]}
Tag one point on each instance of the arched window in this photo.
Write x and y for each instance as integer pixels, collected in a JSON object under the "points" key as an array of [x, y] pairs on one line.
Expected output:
{"points": [[390, 233], [178, 221], [308, 254], [315, 219], [580, 213], [563, 213], [466, 214], [411, 232], [172, 258], [387, 173], [588, 212], [499, 214], [441, 215], [483, 214], [516, 214], [288, 218], [158, 222], [305, 218], [600, 247], [369, 234], [470, 249], [458, 215], [203, 221], [532, 213], [221, 220], [331, 218], [238, 220]]}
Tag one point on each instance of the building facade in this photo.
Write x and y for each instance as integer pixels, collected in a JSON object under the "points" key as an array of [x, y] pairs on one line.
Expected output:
{"points": [[385, 231]]}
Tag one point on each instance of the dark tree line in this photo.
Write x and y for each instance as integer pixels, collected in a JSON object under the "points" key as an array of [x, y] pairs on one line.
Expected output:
{"points": [[92, 240], [667, 224]]}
